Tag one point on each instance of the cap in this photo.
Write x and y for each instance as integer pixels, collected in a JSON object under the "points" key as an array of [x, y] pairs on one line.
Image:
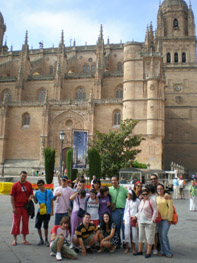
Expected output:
{"points": [[64, 177], [69, 181]]}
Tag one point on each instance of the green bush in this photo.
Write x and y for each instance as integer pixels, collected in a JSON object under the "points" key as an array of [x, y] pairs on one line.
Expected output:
{"points": [[49, 163], [137, 164], [94, 161], [71, 173]]}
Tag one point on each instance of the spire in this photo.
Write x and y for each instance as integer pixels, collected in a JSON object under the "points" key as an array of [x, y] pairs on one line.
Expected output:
{"points": [[26, 38], [61, 44], [101, 32], [25, 47]]}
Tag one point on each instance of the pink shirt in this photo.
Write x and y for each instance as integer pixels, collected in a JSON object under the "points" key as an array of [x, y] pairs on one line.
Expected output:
{"points": [[60, 204], [150, 213]]}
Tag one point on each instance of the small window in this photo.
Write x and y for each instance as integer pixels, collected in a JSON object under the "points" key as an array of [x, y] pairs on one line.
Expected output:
{"points": [[119, 66], [90, 60], [25, 120], [119, 93], [41, 95], [7, 93], [51, 70], [117, 118], [183, 57], [175, 23], [80, 94], [176, 57], [168, 58]]}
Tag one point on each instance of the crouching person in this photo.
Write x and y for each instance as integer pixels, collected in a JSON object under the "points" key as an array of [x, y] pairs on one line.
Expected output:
{"points": [[59, 235], [86, 235]]}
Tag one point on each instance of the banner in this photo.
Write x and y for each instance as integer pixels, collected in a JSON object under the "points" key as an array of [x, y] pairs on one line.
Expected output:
{"points": [[79, 149]]}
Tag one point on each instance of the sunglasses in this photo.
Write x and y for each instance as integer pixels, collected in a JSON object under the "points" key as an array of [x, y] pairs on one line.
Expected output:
{"points": [[144, 194], [153, 179], [139, 185]]}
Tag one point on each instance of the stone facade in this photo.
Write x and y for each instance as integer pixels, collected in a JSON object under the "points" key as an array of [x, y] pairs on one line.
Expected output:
{"points": [[47, 90]]}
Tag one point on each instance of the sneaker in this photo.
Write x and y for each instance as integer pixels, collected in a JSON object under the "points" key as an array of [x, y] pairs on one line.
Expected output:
{"points": [[71, 246], [155, 251], [41, 242], [76, 249], [89, 250], [47, 243], [52, 254], [58, 256]]}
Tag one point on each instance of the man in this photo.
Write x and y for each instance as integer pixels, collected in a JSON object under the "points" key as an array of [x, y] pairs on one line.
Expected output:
{"points": [[21, 192], [43, 197], [154, 180], [86, 235], [62, 193], [175, 188], [118, 195]]}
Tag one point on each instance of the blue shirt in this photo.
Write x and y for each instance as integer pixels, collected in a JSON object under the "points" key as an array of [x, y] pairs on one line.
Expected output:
{"points": [[45, 198]]}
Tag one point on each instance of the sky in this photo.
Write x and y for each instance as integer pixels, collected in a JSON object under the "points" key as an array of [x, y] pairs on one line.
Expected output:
{"points": [[122, 20]]}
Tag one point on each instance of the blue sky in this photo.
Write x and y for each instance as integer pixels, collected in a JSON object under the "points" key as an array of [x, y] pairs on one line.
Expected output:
{"points": [[124, 20]]}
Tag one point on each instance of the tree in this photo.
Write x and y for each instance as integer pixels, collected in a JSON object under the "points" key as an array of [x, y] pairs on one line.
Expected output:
{"points": [[49, 163], [117, 148], [71, 173], [94, 161]]}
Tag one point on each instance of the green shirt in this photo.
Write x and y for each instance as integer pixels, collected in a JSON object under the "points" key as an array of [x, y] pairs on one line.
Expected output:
{"points": [[193, 190], [122, 195]]}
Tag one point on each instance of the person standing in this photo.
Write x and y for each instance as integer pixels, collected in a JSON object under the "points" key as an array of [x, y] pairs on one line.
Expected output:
{"points": [[181, 187], [45, 199], [118, 195], [62, 194], [193, 196], [21, 192], [175, 188]]}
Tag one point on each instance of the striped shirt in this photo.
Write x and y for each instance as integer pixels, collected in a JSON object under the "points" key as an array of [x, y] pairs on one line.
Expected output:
{"points": [[83, 232]]}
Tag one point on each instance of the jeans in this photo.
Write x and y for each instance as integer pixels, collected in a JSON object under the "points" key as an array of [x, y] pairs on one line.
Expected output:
{"points": [[117, 218], [163, 228], [58, 217]]}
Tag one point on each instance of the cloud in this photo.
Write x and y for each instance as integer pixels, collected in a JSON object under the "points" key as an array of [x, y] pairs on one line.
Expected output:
{"points": [[76, 25]]}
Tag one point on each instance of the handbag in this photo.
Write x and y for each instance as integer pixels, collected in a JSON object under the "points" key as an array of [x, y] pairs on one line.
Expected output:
{"points": [[133, 221], [158, 219], [175, 216], [43, 208], [81, 211]]}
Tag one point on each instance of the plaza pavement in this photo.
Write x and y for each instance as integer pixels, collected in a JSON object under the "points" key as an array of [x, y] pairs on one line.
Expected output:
{"points": [[183, 240]]}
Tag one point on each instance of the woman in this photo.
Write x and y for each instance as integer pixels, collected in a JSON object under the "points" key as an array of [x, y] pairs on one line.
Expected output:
{"points": [[97, 185], [165, 208], [138, 189], [146, 216], [104, 202], [79, 200], [193, 196], [130, 213], [108, 236]]}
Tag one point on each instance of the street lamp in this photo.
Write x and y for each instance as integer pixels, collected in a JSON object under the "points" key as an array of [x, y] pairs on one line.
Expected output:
{"points": [[62, 134]]}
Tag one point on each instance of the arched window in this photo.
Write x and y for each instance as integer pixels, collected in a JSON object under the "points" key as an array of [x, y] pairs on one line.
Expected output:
{"points": [[93, 67], [183, 57], [41, 95], [168, 57], [86, 68], [175, 23], [117, 118], [80, 94], [25, 120], [119, 66], [176, 57], [7, 93], [119, 93]]}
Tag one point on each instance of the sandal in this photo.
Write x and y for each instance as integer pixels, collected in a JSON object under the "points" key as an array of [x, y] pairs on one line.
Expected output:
{"points": [[170, 256], [14, 243], [26, 243], [160, 254], [112, 249], [100, 250], [126, 251]]}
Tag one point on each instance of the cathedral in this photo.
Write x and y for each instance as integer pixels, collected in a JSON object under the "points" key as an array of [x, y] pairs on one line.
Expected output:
{"points": [[46, 90]]}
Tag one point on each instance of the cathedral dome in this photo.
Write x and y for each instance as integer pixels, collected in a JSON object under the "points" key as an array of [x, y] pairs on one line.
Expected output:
{"points": [[171, 3]]}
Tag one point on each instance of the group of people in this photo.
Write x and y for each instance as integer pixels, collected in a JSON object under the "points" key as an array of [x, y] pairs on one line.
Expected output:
{"points": [[178, 188], [102, 218]]}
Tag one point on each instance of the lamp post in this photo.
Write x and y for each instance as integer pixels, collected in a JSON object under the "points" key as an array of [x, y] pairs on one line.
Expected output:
{"points": [[62, 134]]}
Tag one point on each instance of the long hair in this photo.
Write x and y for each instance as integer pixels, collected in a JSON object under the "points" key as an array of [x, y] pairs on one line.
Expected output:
{"points": [[103, 224]]}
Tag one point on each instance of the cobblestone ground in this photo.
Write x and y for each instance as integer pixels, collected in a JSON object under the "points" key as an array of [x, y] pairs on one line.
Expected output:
{"points": [[183, 240]]}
